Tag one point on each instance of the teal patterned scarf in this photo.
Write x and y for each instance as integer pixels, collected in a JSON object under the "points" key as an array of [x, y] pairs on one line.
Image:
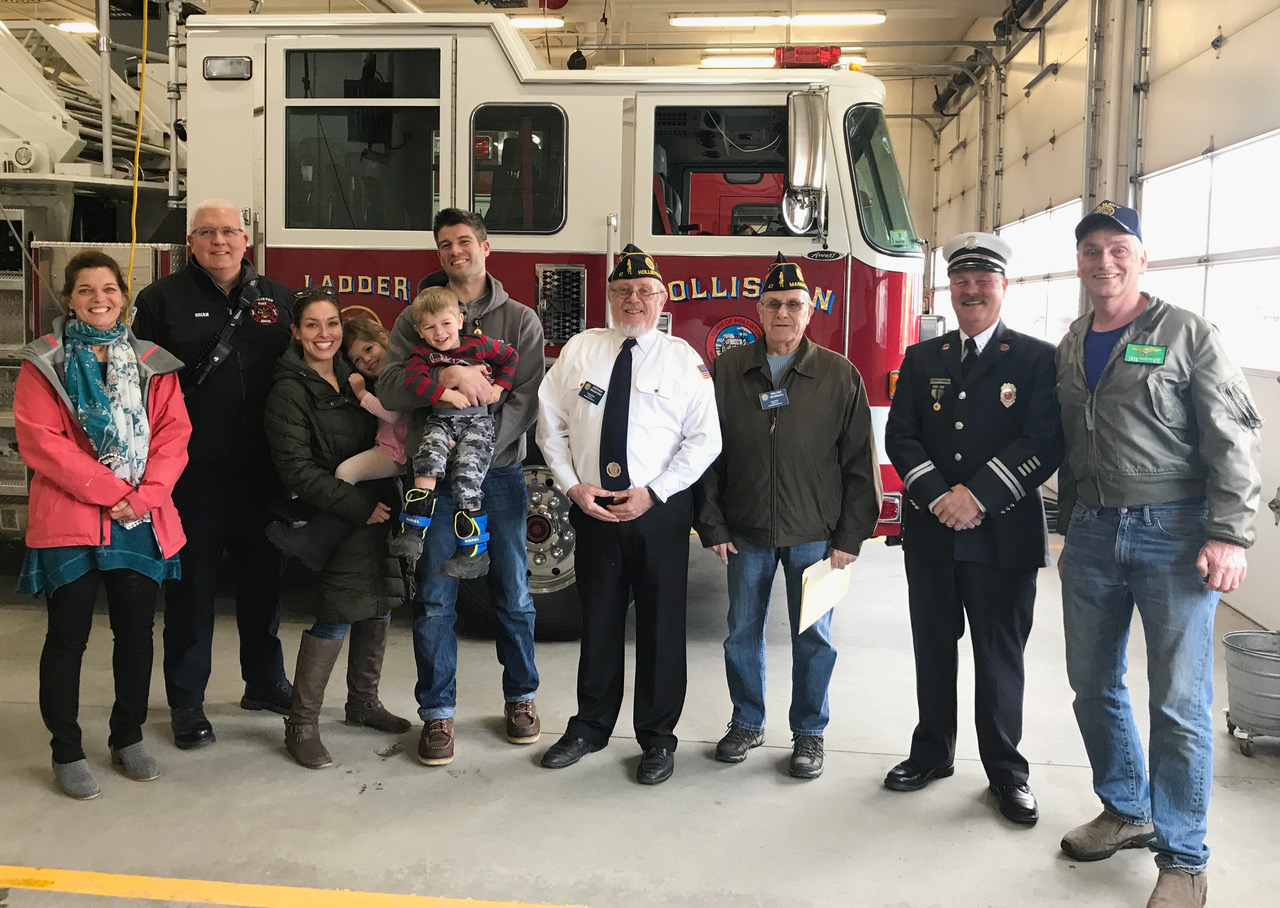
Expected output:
{"points": [[111, 412]]}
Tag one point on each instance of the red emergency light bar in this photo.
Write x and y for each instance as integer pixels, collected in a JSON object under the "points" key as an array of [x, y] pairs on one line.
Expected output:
{"points": [[806, 57]]}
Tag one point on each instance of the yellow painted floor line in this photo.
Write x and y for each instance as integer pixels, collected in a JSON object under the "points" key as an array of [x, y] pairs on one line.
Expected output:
{"points": [[209, 892]]}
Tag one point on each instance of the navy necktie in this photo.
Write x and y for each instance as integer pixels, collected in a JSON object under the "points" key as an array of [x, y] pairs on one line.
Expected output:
{"points": [[970, 356], [613, 428]]}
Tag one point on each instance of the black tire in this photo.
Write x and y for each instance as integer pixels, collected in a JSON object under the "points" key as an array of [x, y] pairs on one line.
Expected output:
{"points": [[559, 614]]}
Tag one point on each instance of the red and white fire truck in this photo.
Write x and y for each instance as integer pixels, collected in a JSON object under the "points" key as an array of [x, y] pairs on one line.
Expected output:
{"points": [[345, 134]]}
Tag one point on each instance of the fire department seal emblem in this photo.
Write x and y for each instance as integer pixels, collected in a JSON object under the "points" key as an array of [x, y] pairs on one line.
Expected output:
{"points": [[1008, 394], [613, 469], [264, 311], [1004, 348], [734, 331]]}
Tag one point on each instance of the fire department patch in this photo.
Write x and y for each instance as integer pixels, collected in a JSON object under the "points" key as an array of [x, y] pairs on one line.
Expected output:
{"points": [[264, 311], [1008, 394], [734, 331]]}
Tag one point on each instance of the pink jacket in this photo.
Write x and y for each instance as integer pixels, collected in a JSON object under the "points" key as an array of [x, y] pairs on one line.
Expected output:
{"points": [[71, 493]]}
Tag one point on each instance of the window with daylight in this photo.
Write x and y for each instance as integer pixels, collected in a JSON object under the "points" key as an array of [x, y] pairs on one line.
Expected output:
{"points": [[1213, 244], [1043, 298]]}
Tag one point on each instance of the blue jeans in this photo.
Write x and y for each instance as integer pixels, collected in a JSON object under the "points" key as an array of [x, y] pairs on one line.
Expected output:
{"points": [[1114, 559], [435, 645], [812, 656], [338, 631]]}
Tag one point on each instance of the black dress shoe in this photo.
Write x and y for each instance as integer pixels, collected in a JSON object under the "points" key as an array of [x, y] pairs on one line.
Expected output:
{"points": [[1017, 803], [911, 776], [656, 766], [567, 751], [190, 727]]}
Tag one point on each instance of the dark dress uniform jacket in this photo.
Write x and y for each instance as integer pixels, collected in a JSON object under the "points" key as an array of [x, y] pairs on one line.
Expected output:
{"points": [[996, 431]]}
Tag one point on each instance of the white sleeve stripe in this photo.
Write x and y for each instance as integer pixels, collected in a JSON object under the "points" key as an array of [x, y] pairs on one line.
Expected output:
{"points": [[917, 472], [1007, 477]]}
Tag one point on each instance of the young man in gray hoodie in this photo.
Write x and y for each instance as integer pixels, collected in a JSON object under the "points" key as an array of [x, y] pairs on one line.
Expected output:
{"points": [[462, 244]]}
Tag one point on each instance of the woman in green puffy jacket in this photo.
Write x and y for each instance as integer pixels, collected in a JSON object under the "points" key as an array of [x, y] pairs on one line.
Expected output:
{"points": [[314, 423]]}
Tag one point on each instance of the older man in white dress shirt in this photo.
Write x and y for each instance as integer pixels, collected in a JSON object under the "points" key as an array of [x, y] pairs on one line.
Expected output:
{"points": [[627, 422]]}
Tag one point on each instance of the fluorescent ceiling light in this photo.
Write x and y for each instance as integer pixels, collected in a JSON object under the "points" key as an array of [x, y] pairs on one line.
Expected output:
{"points": [[739, 62], [875, 17], [537, 21], [78, 28], [712, 21]]}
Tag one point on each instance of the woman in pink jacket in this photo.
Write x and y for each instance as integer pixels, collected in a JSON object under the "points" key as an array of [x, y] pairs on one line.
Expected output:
{"points": [[101, 423]]}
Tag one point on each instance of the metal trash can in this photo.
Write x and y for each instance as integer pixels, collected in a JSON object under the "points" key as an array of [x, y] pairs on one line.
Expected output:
{"points": [[1253, 686]]}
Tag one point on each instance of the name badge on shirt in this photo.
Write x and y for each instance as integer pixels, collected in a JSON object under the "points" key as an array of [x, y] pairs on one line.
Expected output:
{"points": [[1142, 353], [771, 400], [591, 393]]}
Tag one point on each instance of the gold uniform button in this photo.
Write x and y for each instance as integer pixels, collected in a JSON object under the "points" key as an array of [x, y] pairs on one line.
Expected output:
{"points": [[959, 457], [959, 425], [961, 395]]}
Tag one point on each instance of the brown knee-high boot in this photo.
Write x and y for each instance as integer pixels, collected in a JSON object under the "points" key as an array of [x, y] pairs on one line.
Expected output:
{"points": [[316, 658], [364, 669]]}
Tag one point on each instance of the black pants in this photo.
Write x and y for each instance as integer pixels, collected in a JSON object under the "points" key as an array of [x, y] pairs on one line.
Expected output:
{"points": [[131, 604], [999, 605], [648, 558], [221, 511]]}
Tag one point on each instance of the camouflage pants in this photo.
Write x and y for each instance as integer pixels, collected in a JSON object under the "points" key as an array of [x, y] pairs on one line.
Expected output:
{"points": [[469, 461]]}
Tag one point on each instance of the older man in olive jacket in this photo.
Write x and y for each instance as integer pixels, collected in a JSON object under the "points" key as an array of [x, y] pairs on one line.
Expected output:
{"points": [[797, 480]]}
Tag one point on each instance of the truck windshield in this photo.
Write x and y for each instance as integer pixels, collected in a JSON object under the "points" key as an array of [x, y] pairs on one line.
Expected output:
{"points": [[882, 204]]}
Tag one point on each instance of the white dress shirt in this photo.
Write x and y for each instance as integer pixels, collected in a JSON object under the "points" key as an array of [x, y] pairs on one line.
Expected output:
{"points": [[673, 432]]}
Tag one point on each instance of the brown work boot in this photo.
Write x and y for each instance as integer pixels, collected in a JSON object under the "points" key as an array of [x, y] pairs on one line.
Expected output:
{"points": [[435, 747], [523, 725], [1103, 836], [1178, 889]]}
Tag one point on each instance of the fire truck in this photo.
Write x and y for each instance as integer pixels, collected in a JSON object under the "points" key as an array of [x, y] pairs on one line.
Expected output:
{"points": [[344, 135]]}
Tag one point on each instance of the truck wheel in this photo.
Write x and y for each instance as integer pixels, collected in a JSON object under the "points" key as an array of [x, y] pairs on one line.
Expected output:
{"points": [[550, 541]]}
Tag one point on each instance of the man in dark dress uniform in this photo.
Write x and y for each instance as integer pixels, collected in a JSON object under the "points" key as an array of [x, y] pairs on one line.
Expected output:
{"points": [[973, 431]]}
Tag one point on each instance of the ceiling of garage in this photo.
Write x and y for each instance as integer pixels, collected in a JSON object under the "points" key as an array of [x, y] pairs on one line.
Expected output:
{"points": [[644, 22]]}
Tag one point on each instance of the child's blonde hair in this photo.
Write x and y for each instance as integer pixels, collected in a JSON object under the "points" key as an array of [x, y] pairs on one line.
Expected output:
{"points": [[434, 300], [362, 328]]}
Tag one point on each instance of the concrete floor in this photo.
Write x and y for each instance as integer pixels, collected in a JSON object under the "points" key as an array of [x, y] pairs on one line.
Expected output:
{"points": [[493, 825]]}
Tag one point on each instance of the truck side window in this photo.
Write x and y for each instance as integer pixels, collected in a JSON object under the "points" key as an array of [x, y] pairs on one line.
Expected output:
{"points": [[719, 171], [360, 128], [881, 201], [518, 167]]}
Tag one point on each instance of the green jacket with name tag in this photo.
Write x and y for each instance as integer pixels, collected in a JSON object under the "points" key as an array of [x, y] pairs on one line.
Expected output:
{"points": [[1171, 418], [799, 473]]}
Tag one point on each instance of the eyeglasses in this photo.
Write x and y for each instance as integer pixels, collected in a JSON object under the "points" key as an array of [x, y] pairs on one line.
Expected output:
{"points": [[619, 293], [792, 306], [326, 291], [227, 233]]}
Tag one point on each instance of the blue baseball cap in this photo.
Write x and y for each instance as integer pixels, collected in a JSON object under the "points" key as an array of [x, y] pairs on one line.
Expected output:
{"points": [[1113, 215]]}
